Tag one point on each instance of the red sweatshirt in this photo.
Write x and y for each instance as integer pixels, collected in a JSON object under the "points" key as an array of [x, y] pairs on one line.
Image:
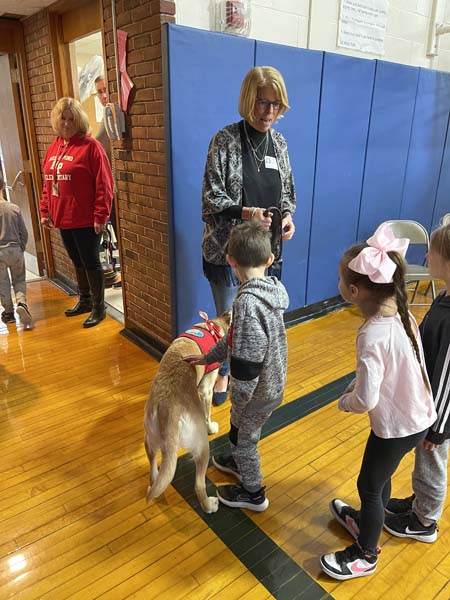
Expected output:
{"points": [[78, 186]]}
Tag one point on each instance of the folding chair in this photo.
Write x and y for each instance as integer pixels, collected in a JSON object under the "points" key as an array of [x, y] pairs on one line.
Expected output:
{"points": [[417, 234]]}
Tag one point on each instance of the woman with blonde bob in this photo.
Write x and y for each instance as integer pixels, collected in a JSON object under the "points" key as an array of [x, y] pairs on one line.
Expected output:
{"points": [[76, 199], [247, 172]]}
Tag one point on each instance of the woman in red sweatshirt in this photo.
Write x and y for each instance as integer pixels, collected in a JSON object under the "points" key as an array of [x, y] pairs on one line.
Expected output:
{"points": [[76, 198]]}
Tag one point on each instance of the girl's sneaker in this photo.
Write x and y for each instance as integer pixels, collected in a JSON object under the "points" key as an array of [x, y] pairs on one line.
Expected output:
{"points": [[349, 563], [236, 496], [346, 516]]}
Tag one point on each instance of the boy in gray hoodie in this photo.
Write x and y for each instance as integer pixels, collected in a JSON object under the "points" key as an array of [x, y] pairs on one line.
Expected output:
{"points": [[257, 349], [13, 239]]}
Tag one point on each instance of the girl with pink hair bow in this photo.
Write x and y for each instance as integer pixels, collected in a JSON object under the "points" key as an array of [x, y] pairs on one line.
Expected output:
{"points": [[391, 385]]}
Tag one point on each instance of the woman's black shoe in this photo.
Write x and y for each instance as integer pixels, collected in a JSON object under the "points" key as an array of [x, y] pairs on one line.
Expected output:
{"points": [[98, 314], [81, 307]]}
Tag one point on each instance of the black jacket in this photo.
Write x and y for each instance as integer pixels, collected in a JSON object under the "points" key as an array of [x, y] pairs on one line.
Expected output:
{"points": [[435, 332]]}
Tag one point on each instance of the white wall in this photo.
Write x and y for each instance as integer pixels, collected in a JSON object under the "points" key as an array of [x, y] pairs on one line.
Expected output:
{"points": [[314, 24]]}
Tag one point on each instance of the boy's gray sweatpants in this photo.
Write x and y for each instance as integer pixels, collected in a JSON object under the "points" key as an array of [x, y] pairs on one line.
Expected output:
{"points": [[249, 418], [12, 257], [429, 482]]}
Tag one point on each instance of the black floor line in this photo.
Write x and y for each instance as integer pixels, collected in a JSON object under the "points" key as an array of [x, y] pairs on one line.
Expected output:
{"points": [[280, 575]]}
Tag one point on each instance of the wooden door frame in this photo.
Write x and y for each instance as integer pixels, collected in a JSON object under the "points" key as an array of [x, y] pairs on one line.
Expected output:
{"points": [[12, 43]]}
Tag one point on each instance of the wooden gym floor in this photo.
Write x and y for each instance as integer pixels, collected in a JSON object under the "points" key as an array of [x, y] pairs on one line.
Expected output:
{"points": [[74, 522]]}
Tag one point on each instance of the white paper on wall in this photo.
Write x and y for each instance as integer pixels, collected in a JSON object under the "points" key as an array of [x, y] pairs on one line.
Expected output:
{"points": [[362, 25]]}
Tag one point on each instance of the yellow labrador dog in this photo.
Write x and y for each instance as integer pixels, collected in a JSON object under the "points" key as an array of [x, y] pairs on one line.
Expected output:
{"points": [[178, 410]]}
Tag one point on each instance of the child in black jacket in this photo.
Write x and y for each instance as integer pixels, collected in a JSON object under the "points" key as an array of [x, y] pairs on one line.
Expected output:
{"points": [[416, 516]]}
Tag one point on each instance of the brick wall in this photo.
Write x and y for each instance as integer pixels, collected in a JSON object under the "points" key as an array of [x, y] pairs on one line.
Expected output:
{"points": [[43, 98], [140, 167]]}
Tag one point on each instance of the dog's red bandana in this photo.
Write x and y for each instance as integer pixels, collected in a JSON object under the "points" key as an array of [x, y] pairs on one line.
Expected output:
{"points": [[205, 339]]}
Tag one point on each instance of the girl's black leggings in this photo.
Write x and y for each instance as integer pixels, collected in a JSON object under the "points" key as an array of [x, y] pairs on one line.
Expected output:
{"points": [[381, 459]]}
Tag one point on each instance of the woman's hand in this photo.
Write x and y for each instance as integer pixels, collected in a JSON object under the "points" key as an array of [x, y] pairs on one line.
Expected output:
{"points": [[287, 224], [258, 215], [47, 222], [195, 359], [99, 227]]}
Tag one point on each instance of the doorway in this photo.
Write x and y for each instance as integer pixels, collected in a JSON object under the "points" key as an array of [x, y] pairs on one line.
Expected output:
{"points": [[15, 163], [80, 60]]}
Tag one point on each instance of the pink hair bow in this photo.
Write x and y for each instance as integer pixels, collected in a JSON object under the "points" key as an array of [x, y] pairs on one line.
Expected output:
{"points": [[374, 261]]}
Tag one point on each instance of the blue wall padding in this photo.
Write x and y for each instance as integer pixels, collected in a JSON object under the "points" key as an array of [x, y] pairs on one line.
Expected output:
{"points": [[302, 72], [344, 120], [427, 146], [367, 141], [205, 76], [442, 204], [387, 154]]}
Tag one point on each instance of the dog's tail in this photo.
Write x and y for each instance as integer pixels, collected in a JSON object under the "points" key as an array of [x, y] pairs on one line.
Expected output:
{"points": [[170, 444]]}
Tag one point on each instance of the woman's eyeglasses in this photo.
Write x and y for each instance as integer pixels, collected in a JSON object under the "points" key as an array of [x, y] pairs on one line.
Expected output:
{"points": [[266, 104]]}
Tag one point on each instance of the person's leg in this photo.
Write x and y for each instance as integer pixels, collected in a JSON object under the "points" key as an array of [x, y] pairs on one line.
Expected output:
{"points": [[380, 461], [84, 303], [88, 246], [18, 279], [224, 296], [5, 285], [244, 447], [429, 480]]}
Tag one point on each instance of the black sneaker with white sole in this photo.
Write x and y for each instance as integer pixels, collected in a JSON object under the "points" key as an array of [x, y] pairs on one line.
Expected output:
{"points": [[8, 317], [346, 516], [236, 496], [349, 563], [397, 506], [407, 525], [24, 315], [226, 464]]}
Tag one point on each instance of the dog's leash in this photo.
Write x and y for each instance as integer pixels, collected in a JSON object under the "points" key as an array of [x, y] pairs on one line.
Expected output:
{"points": [[276, 231]]}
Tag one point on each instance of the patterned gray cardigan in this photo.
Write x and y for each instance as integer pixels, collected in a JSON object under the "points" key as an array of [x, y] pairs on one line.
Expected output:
{"points": [[222, 187]]}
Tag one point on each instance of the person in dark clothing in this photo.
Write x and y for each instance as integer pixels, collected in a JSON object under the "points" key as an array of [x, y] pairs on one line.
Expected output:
{"points": [[256, 343], [247, 171], [416, 516]]}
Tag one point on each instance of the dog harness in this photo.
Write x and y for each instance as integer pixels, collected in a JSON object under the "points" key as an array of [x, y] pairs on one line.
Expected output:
{"points": [[205, 339]]}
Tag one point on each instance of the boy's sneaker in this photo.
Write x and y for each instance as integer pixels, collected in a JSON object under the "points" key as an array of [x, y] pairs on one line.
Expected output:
{"points": [[236, 496], [396, 506], [226, 464], [24, 315], [349, 563], [8, 317], [346, 516], [407, 525]]}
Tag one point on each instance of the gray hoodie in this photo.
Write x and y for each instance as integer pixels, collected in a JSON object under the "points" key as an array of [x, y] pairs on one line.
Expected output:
{"points": [[256, 344], [13, 231]]}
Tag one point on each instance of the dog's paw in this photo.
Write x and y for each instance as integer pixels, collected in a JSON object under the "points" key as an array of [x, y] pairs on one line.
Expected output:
{"points": [[213, 427], [148, 495], [212, 504]]}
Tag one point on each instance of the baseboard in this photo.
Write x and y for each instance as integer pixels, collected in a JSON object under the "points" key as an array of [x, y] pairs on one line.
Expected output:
{"points": [[313, 311], [144, 341]]}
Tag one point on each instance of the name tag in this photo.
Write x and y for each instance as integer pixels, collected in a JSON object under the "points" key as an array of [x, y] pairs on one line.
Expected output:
{"points": [[271, 163]]}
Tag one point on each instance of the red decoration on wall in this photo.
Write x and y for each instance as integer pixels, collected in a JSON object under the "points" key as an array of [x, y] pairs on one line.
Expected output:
{"points": [[125, 82]]}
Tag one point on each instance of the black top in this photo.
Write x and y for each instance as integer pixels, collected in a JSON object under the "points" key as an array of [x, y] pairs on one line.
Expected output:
{"points": [[260, 188], [435, 333]]}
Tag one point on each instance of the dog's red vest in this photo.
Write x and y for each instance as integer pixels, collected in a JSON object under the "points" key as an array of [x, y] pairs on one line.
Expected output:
{"points": [[205, 339]]}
